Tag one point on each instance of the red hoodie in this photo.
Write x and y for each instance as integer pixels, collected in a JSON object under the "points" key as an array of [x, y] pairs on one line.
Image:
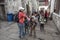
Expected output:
{"points": [[21, 17]]}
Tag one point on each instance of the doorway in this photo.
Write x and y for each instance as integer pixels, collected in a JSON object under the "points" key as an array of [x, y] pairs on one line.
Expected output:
{"points": [[2, 13], [28, 9]]}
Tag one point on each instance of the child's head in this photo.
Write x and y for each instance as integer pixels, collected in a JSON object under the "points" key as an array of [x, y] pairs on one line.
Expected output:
{"points": [[34, 13], [32, 19]]}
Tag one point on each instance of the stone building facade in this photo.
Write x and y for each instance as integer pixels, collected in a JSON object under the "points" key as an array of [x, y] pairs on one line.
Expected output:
{"points": [[56, 14], [2, 10], [12, 6]]}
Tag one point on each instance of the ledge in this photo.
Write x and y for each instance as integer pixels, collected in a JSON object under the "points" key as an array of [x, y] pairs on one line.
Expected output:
{"points": [[56, 14], [56, 20]]}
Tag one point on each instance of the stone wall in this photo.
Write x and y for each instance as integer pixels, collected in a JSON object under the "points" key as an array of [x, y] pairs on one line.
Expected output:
{"points": [[35, 5], [52, 6], [56, 19], [12, 5]]}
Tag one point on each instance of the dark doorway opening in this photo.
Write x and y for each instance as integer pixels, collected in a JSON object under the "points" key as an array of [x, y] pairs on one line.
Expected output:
{"points": [[2, 12], [28, 9]]}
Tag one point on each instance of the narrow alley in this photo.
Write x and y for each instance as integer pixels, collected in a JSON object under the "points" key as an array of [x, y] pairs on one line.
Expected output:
{"points": [[29, 19]]}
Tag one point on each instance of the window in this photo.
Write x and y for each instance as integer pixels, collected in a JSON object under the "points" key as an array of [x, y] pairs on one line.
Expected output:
{"points": [[1, 1]]}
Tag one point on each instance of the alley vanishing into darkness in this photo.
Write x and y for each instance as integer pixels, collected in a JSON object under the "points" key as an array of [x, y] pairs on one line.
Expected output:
{"points": [[10, 32]]}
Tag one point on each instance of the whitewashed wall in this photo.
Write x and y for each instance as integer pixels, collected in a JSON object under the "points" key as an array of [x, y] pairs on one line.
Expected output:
{"points": [[12, 5], [35, 5], [52, 6], [56, 19]]}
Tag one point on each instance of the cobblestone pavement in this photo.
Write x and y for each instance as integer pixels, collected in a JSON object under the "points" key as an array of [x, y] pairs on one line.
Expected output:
{"points": [[10, 32]]}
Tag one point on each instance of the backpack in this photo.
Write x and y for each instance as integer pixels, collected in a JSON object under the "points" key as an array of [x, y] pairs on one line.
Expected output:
{"points": [[16, 18], [41, 20]]}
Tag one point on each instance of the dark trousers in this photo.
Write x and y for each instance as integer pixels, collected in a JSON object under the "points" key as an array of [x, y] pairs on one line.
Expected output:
{"points": [[42, 27], [33, 30], [26, 29]]}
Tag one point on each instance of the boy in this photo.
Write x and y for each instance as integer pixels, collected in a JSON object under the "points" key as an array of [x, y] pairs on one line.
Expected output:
{"points": [[33, 26]]}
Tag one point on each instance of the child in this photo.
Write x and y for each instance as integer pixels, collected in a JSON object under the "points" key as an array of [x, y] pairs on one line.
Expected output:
{"points": [[42, 22], [33, 26], [26, 26]]}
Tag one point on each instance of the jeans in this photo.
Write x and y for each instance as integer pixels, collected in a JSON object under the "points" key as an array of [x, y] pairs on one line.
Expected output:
{"points": [[21, 29], [42, 27]]}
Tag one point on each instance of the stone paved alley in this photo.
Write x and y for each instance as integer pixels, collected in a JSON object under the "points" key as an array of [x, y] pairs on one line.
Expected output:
{"points": [[9, 8], [10, 32]]}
